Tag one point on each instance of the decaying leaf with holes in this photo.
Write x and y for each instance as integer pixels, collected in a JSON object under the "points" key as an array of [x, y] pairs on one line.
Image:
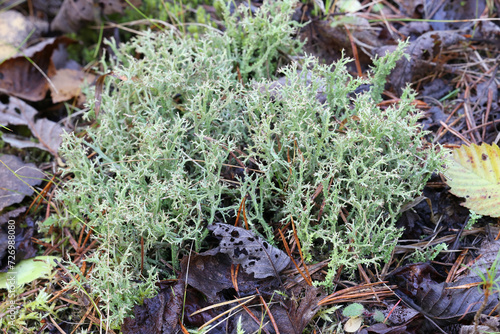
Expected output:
{"points": [[254, 254], [474, 173]]}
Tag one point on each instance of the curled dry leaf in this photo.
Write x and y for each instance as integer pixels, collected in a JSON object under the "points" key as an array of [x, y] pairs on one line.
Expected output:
{"points": [[254, 254], [22, 79]]}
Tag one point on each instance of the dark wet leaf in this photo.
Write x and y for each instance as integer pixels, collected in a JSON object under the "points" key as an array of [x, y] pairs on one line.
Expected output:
{"points": [[291, 315], [422, 288], [161, 314], [48, 133], [211, 275], [158, 315], [17, 180], [24, 246], [382, 328], [411, 223], [4, 219], [300, 313], [254, 254], [194, 302]]}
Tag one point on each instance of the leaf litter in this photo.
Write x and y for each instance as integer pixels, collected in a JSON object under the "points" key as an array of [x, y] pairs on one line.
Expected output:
{"points": [[212, 275], [17, 112], [18, 179], [446, 301]]}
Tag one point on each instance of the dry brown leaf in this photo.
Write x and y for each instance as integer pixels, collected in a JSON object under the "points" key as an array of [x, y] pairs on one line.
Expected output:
{"points": [[22, 79], [423, 53], [474, 173], [18, 112], [74, 14], [68, 84], [17, 180]]}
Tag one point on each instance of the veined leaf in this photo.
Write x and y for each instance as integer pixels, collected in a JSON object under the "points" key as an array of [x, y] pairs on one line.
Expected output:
{"points": [[474, 173], [28, 270]]}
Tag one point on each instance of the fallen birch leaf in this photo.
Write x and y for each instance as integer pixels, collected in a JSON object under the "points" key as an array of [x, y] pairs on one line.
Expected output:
{"points": [[474, 173], [73, 15]]}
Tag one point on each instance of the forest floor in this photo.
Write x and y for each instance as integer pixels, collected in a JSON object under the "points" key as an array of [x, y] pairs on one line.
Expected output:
{"points": [[51, 50]]}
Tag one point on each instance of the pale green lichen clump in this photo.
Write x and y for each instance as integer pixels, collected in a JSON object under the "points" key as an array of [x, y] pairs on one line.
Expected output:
{"points": [[164, 134]]}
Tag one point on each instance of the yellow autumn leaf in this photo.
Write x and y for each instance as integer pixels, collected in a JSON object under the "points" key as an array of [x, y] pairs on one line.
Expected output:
{"points": [[474, 173]]}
